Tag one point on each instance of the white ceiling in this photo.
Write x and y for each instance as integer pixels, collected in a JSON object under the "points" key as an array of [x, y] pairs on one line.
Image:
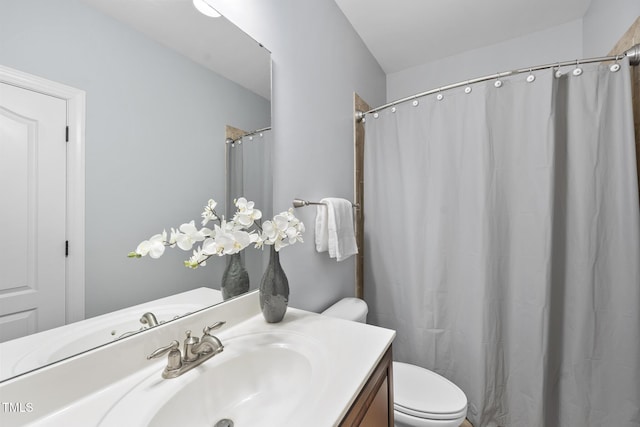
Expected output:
{"points": [[404, 33], [400, 33], [212, 42]]}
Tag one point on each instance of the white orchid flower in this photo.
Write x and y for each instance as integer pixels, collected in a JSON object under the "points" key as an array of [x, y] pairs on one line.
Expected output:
{"points": [[220, 243], [243, 204], [209, 247], [242, 239], [172, 238], [284, 230], [292, 235], [227, 237], [295, 230], [190, 235], [279, 244], [246, 214], [154, 247], [281, 222], [225, 243], [229, 226], [209, 213], [199, 258], [143, 248], [269, 232]]}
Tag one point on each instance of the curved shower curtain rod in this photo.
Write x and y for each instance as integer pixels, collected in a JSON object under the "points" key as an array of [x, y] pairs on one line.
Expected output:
{"points": [[633, 54], [247, 134]]}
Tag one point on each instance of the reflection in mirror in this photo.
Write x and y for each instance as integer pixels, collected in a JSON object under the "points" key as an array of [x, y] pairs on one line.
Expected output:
{"points": [[161, 81], [249, 156]]}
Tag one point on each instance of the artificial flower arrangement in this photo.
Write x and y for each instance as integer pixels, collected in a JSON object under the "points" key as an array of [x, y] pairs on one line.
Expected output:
{"points": [[227, 236]]}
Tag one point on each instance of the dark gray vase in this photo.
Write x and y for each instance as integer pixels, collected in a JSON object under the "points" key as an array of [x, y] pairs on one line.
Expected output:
{"points": [[235, 279], [274, 290]]}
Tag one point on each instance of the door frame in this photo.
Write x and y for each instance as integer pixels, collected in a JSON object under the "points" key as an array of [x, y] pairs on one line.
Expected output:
{"points": [[76, 107]]}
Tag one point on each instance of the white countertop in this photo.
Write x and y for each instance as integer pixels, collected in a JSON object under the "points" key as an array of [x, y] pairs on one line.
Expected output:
{"points": [[351, 352], [33, 351]]}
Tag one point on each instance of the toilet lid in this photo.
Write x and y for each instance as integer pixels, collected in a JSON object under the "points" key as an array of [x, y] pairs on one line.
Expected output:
{"points": [[422, 393]]}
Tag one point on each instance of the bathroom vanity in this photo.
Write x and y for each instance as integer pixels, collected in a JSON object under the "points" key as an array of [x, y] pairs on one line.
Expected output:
{"points": [[374, 405], [309, 370]]}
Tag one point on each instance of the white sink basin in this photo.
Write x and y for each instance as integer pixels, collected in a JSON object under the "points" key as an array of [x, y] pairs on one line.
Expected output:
{"points": [[259, 379]]}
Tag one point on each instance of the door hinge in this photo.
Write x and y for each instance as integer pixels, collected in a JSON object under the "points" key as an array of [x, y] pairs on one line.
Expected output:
{"points": [[66, 134], [66, 248]]}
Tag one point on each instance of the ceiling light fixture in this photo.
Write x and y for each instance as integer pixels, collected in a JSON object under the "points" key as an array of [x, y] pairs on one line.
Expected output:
{"points": [[205, 8]]}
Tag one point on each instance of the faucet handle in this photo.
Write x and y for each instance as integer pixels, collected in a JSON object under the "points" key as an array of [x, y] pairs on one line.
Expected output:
{"points": [[209, 344], [162, 350], [174, 359], [215, 326]]}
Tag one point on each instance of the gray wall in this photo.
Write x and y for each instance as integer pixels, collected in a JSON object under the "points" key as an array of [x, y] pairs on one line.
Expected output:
{"points": [[154, 139], [594, 35], [543, 47], [318, 62], [605, 22]]}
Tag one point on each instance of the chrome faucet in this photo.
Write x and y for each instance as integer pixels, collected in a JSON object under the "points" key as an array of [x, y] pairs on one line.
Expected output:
{"points": [[149, 319], [196, 351]]}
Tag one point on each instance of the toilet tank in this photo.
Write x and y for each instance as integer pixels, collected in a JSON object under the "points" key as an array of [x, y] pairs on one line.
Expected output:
{"points": [[354, 309]]}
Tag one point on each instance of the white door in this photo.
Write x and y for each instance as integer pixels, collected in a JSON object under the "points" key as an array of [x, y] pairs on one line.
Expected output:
{"points": [[32, 211]]}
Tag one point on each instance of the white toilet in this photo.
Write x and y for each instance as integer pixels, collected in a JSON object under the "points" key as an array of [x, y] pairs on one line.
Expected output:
{"points": [[421, 398]]}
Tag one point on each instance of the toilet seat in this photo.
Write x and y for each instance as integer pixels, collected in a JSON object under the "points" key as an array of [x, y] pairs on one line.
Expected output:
{"points": [[431, 416], [424, 394]]}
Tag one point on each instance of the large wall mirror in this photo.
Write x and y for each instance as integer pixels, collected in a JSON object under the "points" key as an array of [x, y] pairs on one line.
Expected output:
{"points": [[162, 83]]}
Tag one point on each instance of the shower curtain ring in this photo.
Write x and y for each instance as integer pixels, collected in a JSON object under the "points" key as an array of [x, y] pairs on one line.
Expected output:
{"points": [[558, 71], [440, 96], [468, 88], [530, 77], [498, 82], [577, 70], [615, 66]]}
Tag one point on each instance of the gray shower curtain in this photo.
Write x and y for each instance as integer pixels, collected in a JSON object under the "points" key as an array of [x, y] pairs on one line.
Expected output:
{"points": [[502, 239], [249, 174]]}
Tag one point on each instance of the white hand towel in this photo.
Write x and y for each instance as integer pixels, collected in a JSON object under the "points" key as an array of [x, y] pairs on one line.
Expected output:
{"points": [[341, 235], [322, 232]]}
